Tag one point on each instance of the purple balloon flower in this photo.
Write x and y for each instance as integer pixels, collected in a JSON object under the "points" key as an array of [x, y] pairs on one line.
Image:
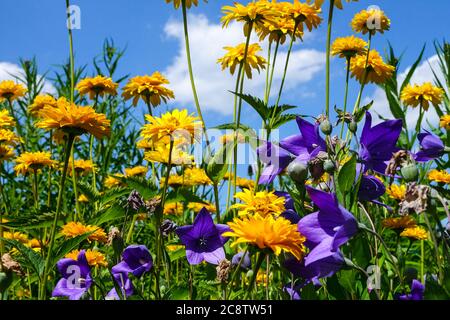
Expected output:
{"points": [[203, 239], [136, 259], [431, 145], [327, 229], [76, 279], [301, 148], [246, 262], [293, 291], [417, 292], [378, 143], [371, 188], [290, 213]]}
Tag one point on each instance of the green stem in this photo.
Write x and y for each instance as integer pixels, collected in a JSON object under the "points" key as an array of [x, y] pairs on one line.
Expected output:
{"points": [[436, 248], [330, 25], [35, 189], [57, 213], [18, 126], [366, 74], [266, 94], [74, 184], [345, 95], [191, 74], [259, 262], [217, 201], [49, 194], [274, 62], [72, 61]]}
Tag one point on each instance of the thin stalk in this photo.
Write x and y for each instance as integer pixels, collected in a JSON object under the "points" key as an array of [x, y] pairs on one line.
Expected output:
{"points": [[49, 194], [366, 73], [436, 248], [74, 184], [57, 213], [191, 74], [330, 26], [18, 126], [71, 57], [259, 262], [35, 189], [91, 149], [217, 201], [347, 77], [266, 91]]}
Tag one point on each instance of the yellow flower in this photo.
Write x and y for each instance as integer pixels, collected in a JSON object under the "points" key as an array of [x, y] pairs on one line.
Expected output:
{"points": [[244, 183], [191, 177], [161, 155], [396, 191], [399, 223], [8, 137], [337, 3], [254, 13], [136, 171], [40, 102], [306, 14], [6, 152], [267, 232], [75, 229], [82, 167], [112, 182], [439, 176], [371, 20], [174, 247], [263, 203], [422, 95], [83, 199], [9, 90], [189, 3], [149, 88], [348, 47], [226, 138], [417, 233], [34, 244], [173, 124], [93, 257], [23, 238], [97, 86], [445, 122], [235, 55], [377, 70], [5, 119], [33, 161], [74, 119], [174, 208], [197, 206]]}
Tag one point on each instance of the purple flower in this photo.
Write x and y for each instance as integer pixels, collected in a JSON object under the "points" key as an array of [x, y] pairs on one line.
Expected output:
{"points": [[327, 229], [76, 279], [322, 268], [371, 188], [136, 259], [203, 239], [246, 262], [417, 291], [302, 148], [293, 291], [431, 145], [290, 213], [378, 143]]}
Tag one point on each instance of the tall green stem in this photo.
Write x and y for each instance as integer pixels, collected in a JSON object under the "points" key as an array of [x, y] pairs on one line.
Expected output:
{"points": [[366, 74], [191, 74], [259, 262], [217, 201], [35, 189], [71, 57], [330, 26], [347, 77], [74, 184], [57, 213]]}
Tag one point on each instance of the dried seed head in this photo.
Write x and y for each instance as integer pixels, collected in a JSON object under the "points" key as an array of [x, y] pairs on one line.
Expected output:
{"points": [[9, 264], [399, 159], [152, 205], [135, 201], [416, 199], [223, 270]]}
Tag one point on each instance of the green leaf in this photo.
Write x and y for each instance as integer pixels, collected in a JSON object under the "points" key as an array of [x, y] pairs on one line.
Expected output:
{"points": [[257, 104], [362, 111], [31, 221], [347, 175], [112, 213], [232, 126], [412, 70], [282, 119], [177, 254], [32, 258], [218, 165], [88, 190], [183, 195]]}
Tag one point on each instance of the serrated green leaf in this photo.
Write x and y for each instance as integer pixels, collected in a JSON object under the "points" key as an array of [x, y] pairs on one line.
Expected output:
{"points": [[33, 258], [257, 104], [218, 165], [68, 246], [112, 213]]}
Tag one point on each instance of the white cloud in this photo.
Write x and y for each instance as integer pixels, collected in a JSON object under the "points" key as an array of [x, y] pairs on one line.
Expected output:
{"points": [[8, 71], [207, 41], [422, 74]]}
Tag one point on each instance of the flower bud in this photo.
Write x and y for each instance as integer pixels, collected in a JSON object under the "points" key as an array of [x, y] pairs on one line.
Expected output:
{"points": [[167, 227], [249, 274], [410, 172], [298, 171], [135, 201], [326, 127], [329, 166], [353, 126], [246, 262]]}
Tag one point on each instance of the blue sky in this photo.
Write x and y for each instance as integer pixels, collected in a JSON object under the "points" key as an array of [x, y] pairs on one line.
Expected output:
{"points": [[151, 32]]}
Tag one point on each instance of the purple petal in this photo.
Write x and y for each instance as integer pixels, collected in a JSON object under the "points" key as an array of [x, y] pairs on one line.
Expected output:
{"points": [[215, 256], [193, 257]]}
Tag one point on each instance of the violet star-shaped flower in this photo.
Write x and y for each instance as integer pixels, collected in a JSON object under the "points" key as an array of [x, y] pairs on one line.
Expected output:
{"points": [[302, 147], [370, 188], [431, 145], [417, 292], [290, 213], [76, 279], [378, 143], [327, 229], [203, 239], [136, 259]]}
